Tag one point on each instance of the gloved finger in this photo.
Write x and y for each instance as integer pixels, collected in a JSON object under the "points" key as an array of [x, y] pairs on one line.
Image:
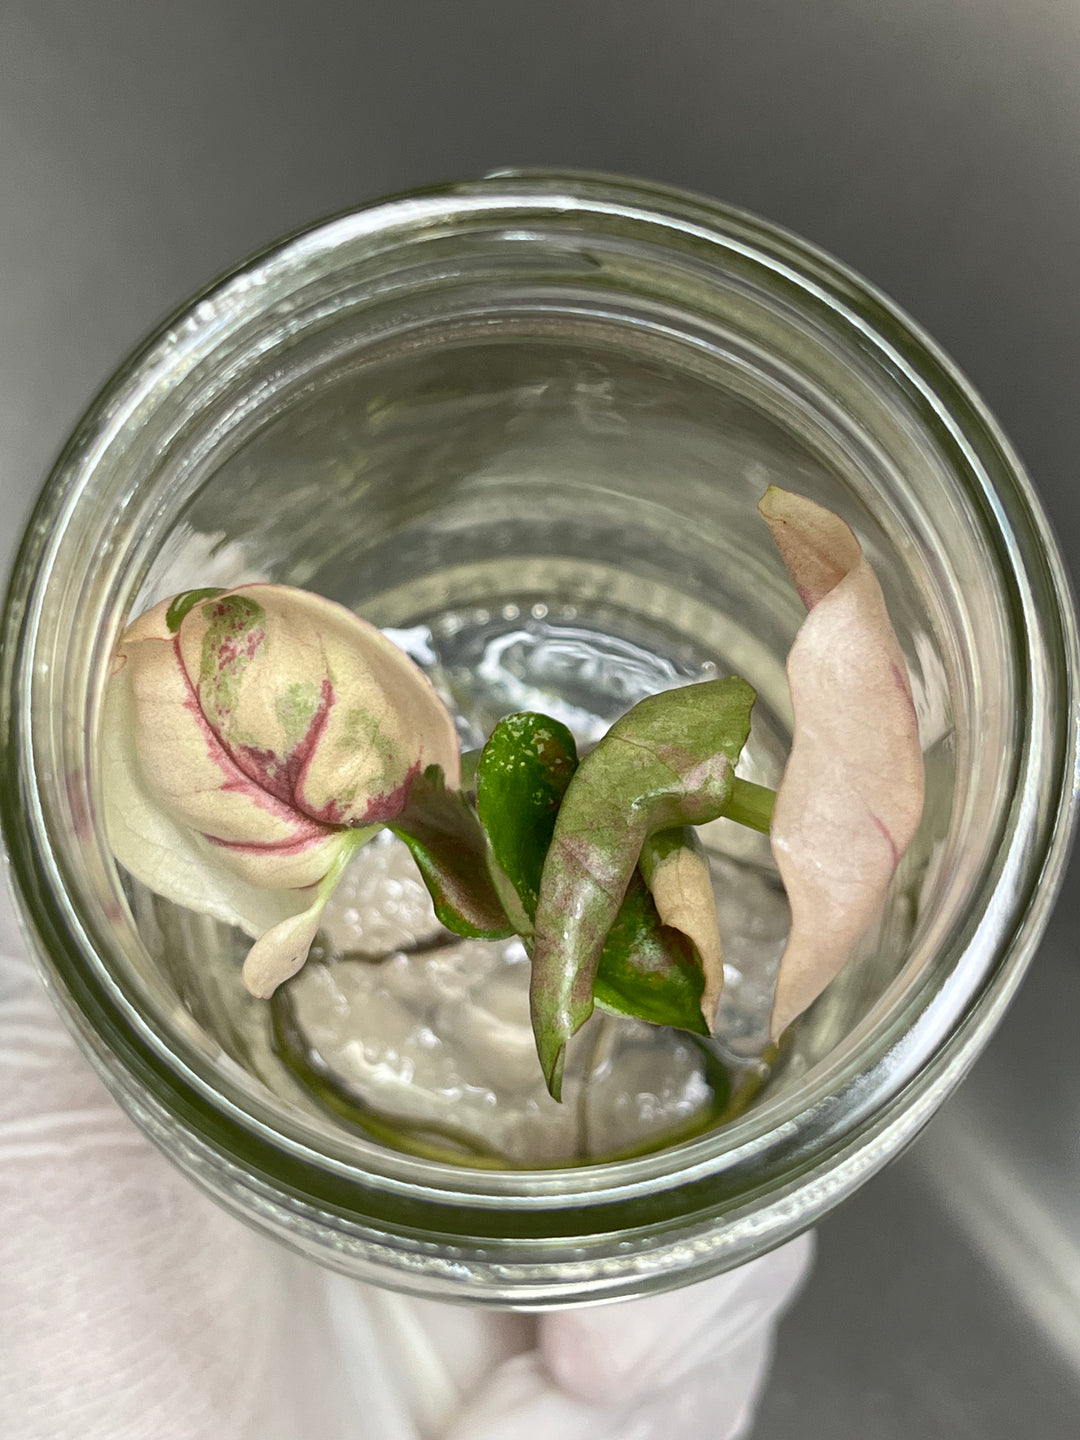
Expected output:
{"points": [[610, 1352], [520, 1401], [434, 1355], [713, 1402]]}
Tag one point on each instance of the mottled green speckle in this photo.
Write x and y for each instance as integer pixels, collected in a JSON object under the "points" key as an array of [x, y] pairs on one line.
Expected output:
{"points": [[361, 731], [296, 708], [234, 633]]}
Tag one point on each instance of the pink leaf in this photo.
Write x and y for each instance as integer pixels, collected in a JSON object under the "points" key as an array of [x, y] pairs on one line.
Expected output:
{"points": [[851, 797], [676, 870]]}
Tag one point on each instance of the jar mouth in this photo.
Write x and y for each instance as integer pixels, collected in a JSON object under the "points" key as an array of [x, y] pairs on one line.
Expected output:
{"points": [[882, 1080]]}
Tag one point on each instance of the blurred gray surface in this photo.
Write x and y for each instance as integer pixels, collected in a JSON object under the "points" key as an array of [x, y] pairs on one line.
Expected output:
{"points": [[933, 146]]}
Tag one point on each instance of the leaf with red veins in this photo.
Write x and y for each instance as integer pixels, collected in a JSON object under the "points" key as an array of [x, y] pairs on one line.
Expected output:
{"points": [[187, 770], [169, 858], [269, 719], [250, 738], [315, 705], [851, 798]]}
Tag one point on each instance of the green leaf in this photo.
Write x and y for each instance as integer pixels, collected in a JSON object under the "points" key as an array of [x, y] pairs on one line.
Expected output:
{"points": [[524, 770], [647, 970], [669, 761], [448, 845], [181, 604]]}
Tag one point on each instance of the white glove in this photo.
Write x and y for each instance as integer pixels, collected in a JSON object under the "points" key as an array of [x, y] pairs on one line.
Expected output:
{"points": [[135, 1309], [689, 1365]]}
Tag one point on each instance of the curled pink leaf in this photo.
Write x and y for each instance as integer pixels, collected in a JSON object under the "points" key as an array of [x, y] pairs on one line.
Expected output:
{"points": [[851, 797], [676, 870]]}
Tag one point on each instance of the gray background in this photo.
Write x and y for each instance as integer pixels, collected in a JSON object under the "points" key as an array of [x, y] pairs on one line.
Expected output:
{"points": [[931, 144]]}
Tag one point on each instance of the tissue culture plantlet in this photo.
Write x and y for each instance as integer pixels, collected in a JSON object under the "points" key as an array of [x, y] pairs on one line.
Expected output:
{"points": [[257, 739]]}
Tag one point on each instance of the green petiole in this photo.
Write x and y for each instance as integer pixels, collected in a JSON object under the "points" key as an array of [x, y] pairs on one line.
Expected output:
{"points": [[751, 805]]}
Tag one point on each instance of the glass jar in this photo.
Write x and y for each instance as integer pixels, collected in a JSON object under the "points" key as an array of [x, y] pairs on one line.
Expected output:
{"points": [[560, 395]]}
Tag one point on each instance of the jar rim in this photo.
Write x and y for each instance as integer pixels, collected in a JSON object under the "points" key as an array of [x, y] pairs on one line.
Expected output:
{"points": [[926, 1061]]}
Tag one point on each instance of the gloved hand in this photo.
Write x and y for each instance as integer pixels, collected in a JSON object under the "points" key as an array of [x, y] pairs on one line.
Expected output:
{"points": [[135, 1309]]}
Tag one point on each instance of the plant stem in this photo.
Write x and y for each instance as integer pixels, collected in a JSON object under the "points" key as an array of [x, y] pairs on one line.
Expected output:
{"points": [[751, 805]]}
